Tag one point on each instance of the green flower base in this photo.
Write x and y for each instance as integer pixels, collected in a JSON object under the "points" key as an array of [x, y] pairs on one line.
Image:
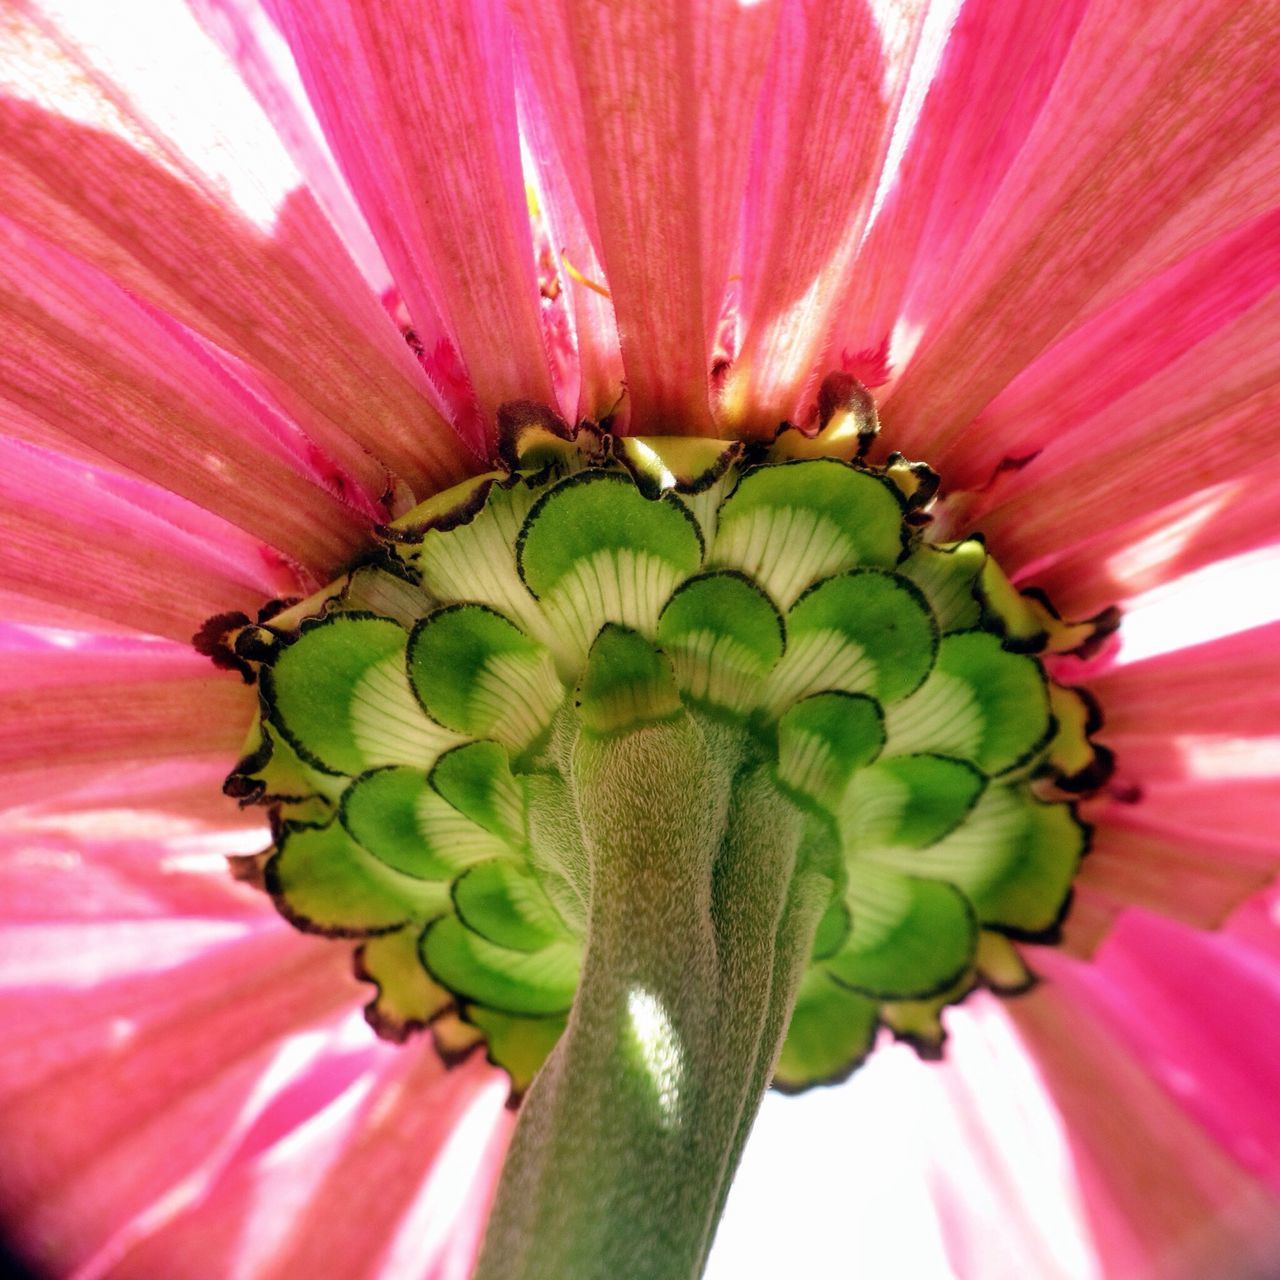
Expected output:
{"points": [[702, 751]]}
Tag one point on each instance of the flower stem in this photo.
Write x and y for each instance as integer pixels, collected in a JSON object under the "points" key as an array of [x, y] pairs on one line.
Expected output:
{"points": [[700, 921]]}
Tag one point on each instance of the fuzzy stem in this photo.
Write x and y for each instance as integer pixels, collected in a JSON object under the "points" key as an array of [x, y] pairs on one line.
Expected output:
{"points": [[630, 1134]]}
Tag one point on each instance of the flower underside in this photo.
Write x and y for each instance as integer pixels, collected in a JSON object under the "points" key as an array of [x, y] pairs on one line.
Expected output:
{"points": [[423, 719]]}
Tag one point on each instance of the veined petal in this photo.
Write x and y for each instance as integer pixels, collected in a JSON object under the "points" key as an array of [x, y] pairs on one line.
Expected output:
{"points": [[86, 168], [350, 1181], [1063, 400], [1173, 96], [68, 707], [123, 552], [245, 31], [1149, 448], [658, 137], [118, 1088], [831, 95], [1237, 514], [83, 361], [999, 63], [419, 107], [1163, 1197]]}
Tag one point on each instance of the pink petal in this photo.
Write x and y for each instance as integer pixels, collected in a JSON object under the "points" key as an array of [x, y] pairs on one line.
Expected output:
{"points": [[1146, 450], [654, 146], [420, 110], [826, 113], [999, 62], [67, 713], [333, 1197], [1174, 95], [1164, 1199], [117, 1089], [251, 40], [1226, 686], [1067, 395], [1204, 1009], [122, 550], [289, 301], [82, 361]]}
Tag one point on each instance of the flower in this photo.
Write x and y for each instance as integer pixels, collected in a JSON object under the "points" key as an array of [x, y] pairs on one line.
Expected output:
{"points": [[1043, 234]]}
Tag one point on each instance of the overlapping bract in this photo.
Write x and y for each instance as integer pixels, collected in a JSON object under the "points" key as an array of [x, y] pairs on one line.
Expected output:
{"points": [[418, 718]]}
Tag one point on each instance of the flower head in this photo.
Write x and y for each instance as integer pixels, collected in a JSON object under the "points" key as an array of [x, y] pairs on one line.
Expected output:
{"points": [[270, 275]]}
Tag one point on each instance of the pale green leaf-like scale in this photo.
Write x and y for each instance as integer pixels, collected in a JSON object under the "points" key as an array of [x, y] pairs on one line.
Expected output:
{"points": [[783, 619]]}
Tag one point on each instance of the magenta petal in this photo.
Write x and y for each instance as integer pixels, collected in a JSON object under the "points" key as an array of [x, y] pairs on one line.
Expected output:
{"points": [[122, 550], [999, 62], [419, 108], [286, 299], [830, 97], [84, 362], [1164, 1199], [117, 1088], [1174, 95]]}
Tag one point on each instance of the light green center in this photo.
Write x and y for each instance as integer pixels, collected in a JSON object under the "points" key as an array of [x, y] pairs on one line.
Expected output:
{"points": [[785, 614]]}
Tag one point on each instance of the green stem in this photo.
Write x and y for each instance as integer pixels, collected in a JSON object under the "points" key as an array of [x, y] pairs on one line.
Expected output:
{"points": [[629, 1136]]}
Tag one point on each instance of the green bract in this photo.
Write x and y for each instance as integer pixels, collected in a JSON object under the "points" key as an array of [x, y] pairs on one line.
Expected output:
{"points": [[420, 718]]}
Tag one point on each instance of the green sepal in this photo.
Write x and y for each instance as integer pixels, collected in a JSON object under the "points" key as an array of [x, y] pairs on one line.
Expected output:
{"points": [[1012, 694], [445, 510], [532, 437], [518, 1045], [522, 982], [476, 779], [687, 464], [597, 513], [394, 815], [593, 550], [476, 672], [910, 937], [1014, 858], [823, 740], [723, 635], [475, 562], [947, 574], [341, 697], [909, 801], [832, 1030], [627, 683], [407, 999], [788, 524], [323, 882], [1009, 614], [847, 423], [833, 929], [507, 906], [865, 631]]}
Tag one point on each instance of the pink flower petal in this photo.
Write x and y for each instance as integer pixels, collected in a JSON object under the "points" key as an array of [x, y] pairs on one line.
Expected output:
{"points": [[1000, 60], [116, 1090], [1146, 450], [1218, 521], [1163, 1198], [419, 108], [251, 40], [288, 300], [123, 553], [830, 97], [1226, 686], [332, 1198], [1173, 95], [82, 361], [655, 149], [69, 712], [1063, 402]]}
